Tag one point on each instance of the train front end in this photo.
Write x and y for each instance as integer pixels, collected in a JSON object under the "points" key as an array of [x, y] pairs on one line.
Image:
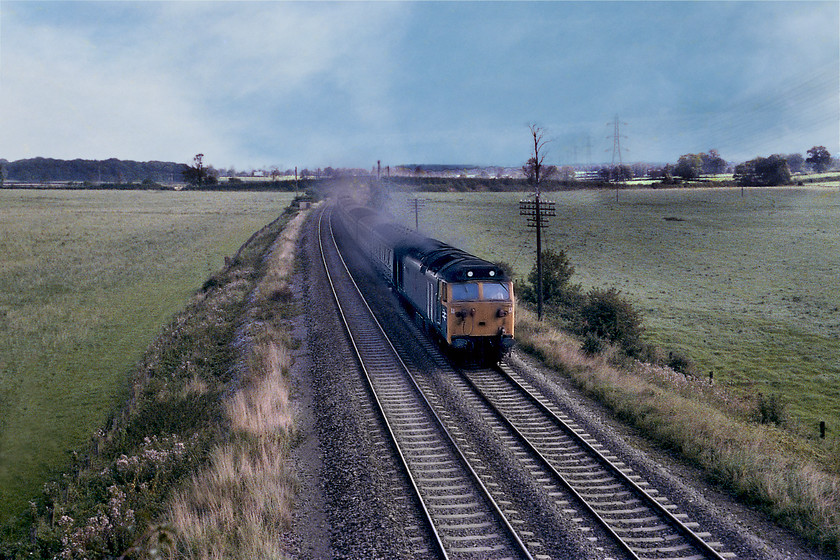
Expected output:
{"points": [[479, 313]]}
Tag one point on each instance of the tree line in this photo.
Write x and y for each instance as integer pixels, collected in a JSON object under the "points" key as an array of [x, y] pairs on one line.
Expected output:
{"points": [[776, 169], [49, 170]]}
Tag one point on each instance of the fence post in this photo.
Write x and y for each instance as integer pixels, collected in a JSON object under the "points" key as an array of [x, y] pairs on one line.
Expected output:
{"points": [[822, 429]]}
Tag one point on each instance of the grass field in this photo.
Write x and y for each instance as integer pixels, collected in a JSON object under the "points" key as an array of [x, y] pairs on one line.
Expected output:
{"points": [[745, 285], [87, 278]]}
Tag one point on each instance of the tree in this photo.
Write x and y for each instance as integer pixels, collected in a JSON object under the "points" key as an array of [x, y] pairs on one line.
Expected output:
{"points": [[621, 173], [567, 173], [712, 163], [196, 174], [795, 162], [689, 166], [604, 173], [762, 171], [819, 158], [640, 169], [557, 271]]}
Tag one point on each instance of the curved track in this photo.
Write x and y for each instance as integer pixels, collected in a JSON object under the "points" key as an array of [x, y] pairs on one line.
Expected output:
{"points": [[463, 519], [641, 521], [584, 482]]}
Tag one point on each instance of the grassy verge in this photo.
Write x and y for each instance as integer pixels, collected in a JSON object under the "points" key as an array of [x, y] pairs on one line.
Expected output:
{"points": [[796, 482], [87, 280], [117, 494], [240, 505]]}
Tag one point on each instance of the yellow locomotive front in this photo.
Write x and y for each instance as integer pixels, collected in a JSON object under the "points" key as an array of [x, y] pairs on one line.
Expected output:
{"points": [[479, 316]]}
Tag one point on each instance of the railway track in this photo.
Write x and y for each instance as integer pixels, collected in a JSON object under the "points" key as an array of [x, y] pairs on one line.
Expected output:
{"points": [[645, 524], [468, 513], [463, 518]]}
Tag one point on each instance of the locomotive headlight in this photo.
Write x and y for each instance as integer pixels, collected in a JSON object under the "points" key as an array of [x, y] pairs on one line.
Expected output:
{"points": [[492, 273], [469, 273]]}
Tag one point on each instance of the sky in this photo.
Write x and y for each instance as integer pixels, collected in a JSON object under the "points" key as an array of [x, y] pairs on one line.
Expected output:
{"points": [[316, 84]]}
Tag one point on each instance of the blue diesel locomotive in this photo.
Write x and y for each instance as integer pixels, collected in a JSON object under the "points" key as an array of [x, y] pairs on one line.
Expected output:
{"points": [[466, 302]]}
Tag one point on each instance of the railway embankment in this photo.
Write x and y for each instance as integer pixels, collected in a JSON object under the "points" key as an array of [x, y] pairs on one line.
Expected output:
{"points": [[195, 461]]}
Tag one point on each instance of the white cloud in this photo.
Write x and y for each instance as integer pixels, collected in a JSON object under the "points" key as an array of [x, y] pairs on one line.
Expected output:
{"points": [[187, 76], [62, 95]]}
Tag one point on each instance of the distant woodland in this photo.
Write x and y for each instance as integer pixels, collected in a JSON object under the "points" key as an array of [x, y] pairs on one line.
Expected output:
{"points": [[48, 170]]}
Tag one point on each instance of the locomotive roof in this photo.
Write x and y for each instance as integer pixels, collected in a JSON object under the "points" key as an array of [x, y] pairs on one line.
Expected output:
{"points": [[451, 263]]}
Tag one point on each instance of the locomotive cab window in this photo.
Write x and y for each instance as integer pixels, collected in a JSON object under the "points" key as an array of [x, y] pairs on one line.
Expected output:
{"points": [[495, 291], [464, 292]]}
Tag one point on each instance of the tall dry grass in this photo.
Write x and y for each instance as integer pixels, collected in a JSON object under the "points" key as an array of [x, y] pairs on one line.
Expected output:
{"points": [[760, 464], [241, 505]]}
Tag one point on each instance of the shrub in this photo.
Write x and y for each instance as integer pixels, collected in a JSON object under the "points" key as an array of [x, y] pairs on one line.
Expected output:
{"points": [[771, 409], [681, 363], [608, 316], [557, 290], [506, 267], [592, 344]]}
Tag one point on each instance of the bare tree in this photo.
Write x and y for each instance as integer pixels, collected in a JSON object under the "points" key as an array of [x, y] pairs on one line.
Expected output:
{"points": [[533, 170]]}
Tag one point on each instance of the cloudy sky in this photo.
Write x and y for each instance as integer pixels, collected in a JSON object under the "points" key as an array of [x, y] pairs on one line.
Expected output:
{"points": [[253, 84]]}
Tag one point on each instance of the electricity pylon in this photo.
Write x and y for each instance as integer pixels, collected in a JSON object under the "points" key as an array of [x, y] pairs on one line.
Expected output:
{"points": [[616, 151], [616, 141]]}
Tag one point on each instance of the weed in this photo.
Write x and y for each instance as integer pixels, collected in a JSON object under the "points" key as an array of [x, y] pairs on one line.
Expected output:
{"points": [[770, 409]]}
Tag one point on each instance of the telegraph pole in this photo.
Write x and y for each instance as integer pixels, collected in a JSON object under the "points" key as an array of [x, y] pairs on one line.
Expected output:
{"points": [[417, 204], [536, 210]]}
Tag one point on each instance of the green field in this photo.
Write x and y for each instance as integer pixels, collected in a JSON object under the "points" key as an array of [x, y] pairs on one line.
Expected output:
{"points": [[87, 278], [748, 286]]}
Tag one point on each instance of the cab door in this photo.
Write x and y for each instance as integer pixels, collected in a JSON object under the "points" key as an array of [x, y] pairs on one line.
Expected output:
{"points": [[431, 308]]}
